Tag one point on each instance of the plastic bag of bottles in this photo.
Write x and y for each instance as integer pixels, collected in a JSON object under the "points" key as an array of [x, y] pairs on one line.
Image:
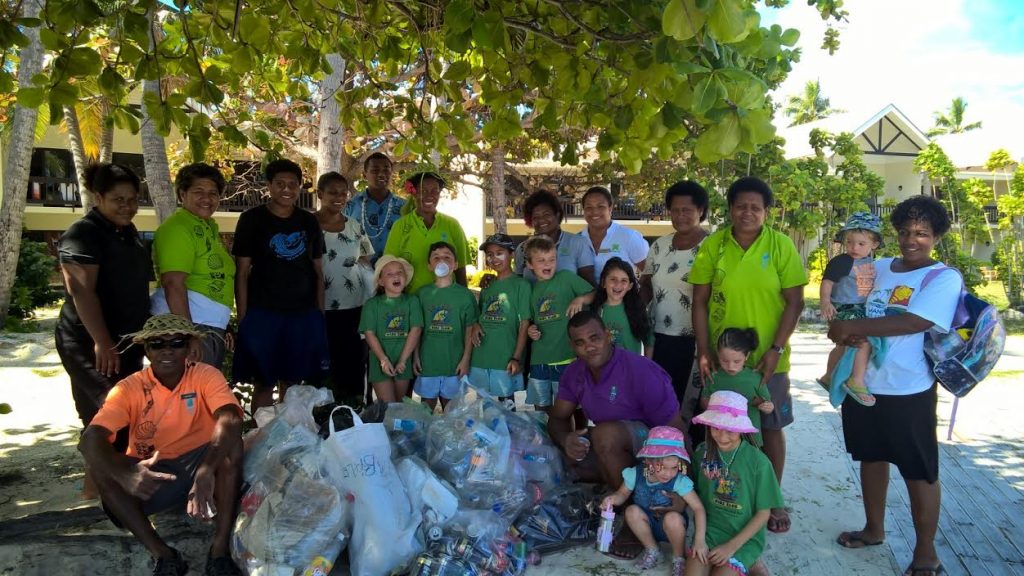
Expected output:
{"points": [[434, 499], [291, 520], [291, 419], [567, 517], [407, 424]]}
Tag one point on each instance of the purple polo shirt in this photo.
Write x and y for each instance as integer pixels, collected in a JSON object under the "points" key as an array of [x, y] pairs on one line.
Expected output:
{"points": [[631, 387]]}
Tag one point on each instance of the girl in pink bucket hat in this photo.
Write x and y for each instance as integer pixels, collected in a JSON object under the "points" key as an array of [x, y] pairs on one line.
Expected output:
{"points": [[736, 484], [662, 469]]}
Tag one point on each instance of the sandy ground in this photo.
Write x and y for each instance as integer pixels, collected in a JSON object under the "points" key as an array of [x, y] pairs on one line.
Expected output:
{"points": [[40, 471]]}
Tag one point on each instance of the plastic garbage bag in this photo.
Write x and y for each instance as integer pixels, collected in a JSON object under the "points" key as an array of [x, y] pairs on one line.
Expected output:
{"points": [[434, 499], [384, 526], [407, 424], [566, 518], [292, 517]]}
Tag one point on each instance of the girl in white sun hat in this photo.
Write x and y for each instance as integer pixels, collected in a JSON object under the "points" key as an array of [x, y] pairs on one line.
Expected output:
{"points": [[736, 484]]}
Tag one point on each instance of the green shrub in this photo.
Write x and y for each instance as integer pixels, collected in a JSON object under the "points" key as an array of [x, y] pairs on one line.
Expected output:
{"points": [[32, 284]]}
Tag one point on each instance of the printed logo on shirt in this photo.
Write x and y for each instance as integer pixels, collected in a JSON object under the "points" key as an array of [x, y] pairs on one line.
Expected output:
{"points": [[615, 247], [190, 402], [198, 231], [394, 326], [289, 246], [493, 310], [726, 490], [440, 320], [889, 302], [545, 309], [764, 260], [864, 276], [214, 262]]}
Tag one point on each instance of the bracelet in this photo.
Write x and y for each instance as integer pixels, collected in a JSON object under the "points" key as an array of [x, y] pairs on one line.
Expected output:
{"points": [[514, 359]]}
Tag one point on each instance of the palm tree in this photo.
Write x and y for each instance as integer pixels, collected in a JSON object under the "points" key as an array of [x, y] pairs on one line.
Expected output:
{"points": [[809, 106], [952, 121]]}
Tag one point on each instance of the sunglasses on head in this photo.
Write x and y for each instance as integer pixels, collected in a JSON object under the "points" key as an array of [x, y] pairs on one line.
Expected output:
{"points": [[176, 343]]}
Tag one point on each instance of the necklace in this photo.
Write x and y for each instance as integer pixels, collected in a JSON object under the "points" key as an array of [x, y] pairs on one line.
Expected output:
{"points": [[383, 225], [719, 468]]}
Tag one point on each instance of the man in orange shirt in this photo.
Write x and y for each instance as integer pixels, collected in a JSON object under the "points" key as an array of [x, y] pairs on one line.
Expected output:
{"points": [[185, 446]]}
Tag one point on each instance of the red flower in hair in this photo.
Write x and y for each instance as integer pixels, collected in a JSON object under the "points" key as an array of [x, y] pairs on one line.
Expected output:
{"points": [[410, 188]]}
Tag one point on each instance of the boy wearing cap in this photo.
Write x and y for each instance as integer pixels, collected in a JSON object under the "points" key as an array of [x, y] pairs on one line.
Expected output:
{"points": [[185, 445], [845, 285], [500, 337], [449, 319]]}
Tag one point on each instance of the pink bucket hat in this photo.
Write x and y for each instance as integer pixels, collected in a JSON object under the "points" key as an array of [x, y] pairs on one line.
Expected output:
{"points": [[727, 411], [664, 441]]}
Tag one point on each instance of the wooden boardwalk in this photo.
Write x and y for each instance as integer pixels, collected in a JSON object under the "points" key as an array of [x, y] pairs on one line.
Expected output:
{"points": [[981, 526]]}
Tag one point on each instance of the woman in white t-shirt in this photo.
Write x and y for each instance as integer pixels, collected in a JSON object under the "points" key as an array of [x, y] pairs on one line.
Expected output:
{"points": [[348, 281], [607, 238], [665, 286], [901, 427]]}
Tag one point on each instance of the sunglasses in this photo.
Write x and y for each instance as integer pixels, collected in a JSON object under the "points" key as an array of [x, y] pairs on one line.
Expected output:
{"points": [[176, 344]]}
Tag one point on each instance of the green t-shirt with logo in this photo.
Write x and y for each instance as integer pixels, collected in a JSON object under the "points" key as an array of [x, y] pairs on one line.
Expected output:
{"points": [[187, 243], [616, 321], [732, 494], [503, 305], [410, 238], [447, 313], [747, 285], [746, 383], [549, 301], [390, 320]]}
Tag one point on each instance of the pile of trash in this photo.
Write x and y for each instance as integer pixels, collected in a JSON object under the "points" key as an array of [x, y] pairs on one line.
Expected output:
{"points": [[476, 491]]}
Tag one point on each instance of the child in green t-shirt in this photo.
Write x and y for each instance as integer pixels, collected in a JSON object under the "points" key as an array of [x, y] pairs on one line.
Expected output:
{"points": [[500, 337], [556, 296], [621, 308], [736, 484], [392, 322], [734, 347], [449, 314]]}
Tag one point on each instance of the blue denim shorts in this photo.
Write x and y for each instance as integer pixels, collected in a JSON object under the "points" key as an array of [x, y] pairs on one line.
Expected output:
{"points": [[496, 382], [430, 387], [542, 388]]}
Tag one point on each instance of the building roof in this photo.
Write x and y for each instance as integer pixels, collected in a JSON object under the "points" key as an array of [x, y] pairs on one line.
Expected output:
{"points": [[886, 132]]}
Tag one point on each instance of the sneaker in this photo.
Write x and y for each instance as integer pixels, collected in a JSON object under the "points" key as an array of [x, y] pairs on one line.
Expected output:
{"points": [[678, 566], [221, 566], [649, 559], [175, 566]]}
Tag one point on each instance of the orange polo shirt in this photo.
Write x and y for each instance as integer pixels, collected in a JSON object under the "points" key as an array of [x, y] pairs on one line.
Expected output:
{"points": [[172, 422]]}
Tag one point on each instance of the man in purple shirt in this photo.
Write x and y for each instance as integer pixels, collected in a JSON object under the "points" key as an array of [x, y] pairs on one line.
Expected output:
{"points": [[623, 393]]}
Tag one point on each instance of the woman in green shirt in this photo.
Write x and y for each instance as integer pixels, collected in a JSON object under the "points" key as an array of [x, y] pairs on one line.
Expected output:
{"points": [[749, 275], [196, 273]]}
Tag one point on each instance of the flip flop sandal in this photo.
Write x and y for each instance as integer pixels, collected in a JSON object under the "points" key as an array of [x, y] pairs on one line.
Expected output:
{"points": [[925, 570], [847, 539], [859, 396]]}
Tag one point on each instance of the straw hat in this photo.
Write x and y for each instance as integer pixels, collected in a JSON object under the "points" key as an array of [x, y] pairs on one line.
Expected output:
{"points": [[388, 259], [664, 441], [165, 325], [727, 411]]}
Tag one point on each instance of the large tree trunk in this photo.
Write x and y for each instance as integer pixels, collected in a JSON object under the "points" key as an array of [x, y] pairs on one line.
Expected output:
{"points": [[498, 188], [332, 134], [106, 133], [154, 152], [78, 154], [19, 155]]}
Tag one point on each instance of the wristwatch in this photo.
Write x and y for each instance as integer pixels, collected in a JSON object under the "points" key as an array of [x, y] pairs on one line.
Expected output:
{"points": [[778, 349]]}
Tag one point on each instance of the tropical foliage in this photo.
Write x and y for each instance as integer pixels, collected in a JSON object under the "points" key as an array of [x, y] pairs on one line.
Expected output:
{"points": [[951, 121], [810, 106]]}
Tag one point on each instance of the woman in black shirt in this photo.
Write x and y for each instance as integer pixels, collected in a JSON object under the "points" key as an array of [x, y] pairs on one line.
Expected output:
{"points": [[106, 272]]}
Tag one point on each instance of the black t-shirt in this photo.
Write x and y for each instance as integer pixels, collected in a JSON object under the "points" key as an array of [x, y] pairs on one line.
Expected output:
{"points": [[838, 268], [282, 251], [125, 269]]}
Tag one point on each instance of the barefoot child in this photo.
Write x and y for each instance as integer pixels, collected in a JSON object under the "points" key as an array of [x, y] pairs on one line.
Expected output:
{"points": [[662, 470], [845, 285], [618, 302], [500, 338], [556, 296], [449, 318], [392, 322], [737, 485], [734, 347]]}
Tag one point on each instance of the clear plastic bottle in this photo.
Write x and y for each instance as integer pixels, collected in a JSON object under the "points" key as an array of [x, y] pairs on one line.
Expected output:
{"points": [[605, 531]]}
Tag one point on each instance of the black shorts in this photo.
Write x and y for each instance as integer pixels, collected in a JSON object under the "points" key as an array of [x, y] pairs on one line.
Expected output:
{"points": [[171, 494], [897, 429]]}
